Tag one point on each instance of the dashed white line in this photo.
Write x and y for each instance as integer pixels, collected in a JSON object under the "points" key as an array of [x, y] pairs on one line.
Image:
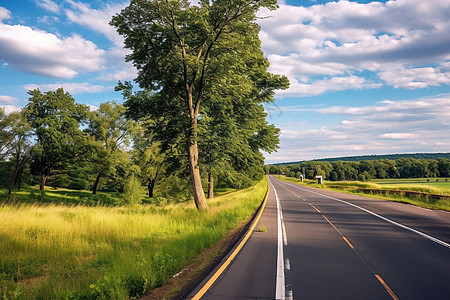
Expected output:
{"points": [[287, 264], [283, 228]]}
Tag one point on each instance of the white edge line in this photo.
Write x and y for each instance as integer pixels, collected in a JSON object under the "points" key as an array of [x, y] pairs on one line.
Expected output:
{"points": [[283, 228], [280, 283], [378, 216]]}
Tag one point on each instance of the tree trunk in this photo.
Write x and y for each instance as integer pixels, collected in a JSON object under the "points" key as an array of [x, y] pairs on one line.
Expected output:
{"points": [[210, 185], [150, 187], [151, 184], [43, 179], [97, 179], [14, 177], [196, 181], [12, 183]]}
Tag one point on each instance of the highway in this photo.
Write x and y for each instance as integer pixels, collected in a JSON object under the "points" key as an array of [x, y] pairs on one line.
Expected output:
{"points": [[329, 245]]}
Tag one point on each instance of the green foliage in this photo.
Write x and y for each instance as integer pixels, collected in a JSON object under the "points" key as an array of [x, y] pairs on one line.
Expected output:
{"points": [[174, 189], [15, 146], [110, 134], [148, 156], [54, 118], [5, 173], [133, 191], [6, 135]]}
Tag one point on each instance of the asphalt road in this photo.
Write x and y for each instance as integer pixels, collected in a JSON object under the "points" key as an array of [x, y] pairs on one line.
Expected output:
{"points": [[329, 245]]}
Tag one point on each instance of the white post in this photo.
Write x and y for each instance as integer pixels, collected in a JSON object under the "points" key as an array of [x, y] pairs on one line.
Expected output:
{"points": [[319, 179]]}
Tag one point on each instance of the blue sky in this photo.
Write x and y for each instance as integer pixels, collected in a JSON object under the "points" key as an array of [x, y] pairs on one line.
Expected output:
{"points": [[366, 77]]}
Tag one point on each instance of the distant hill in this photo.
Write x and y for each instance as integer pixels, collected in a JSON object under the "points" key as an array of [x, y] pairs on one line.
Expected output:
{"points": [[375, 157]]}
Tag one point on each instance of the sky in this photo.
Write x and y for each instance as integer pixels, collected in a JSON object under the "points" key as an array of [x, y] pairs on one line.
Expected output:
{"points": [[366, 77]]}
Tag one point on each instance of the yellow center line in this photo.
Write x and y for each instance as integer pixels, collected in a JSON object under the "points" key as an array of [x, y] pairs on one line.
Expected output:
{"points": [[388, 289], [315, 208], [222, 268], [348, 242], [340, 233]]}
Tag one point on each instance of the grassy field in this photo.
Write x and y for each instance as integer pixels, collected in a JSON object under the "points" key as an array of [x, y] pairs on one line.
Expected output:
{"points": [[441, 183], [55, 251], [354, 187]]}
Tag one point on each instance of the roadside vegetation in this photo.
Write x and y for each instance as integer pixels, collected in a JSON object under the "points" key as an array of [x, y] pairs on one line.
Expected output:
{"points": [[54, 251], [424, 194]]}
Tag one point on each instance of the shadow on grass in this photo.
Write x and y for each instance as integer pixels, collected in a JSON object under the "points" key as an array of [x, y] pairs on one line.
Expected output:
{"points": [[68, 197]]}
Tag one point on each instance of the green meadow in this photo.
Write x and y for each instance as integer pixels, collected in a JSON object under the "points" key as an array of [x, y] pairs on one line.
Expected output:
{"points": [[75, 251], [443, 184]]}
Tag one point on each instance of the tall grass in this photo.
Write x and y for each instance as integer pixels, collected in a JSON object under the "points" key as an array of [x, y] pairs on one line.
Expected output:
{"points": [[79, 252]]}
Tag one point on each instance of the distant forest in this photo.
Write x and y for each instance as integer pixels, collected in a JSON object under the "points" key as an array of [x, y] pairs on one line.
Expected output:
{"points": [[434, 156], [369, 167]]}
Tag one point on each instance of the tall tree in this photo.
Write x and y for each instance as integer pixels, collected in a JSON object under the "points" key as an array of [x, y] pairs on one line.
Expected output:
{"points": [[20, 148], [6, 134], [14, 144], [182, 51], [111, 132], [54, 118], [147, 155]]}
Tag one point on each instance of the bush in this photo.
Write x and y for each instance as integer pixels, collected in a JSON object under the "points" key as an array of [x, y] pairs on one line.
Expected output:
{"points": [[133, 191]]}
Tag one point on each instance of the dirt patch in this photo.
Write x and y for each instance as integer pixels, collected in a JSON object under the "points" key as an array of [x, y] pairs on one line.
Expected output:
{"points": [[182, 283], [32, 282]]}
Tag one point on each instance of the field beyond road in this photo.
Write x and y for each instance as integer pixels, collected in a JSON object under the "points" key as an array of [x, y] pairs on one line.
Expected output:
{"points": [[420, 192], [72, 252]]}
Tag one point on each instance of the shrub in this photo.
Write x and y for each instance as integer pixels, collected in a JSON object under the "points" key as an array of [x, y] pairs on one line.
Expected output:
{"points": [[133, 191]]}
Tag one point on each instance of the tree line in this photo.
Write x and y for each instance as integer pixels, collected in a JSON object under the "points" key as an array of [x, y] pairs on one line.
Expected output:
{"points": [[55, 141], [366, 169]]}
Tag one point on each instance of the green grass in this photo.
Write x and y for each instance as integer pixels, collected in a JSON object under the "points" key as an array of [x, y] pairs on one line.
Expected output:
{"points": [[82, 252], [62, 196], [262, 229], [353, 187], [442, 184]]}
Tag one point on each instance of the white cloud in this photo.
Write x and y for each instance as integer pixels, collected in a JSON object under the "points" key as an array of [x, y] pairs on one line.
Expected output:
{"points": [[398, 135], [400, 77], [96, 19], [10, 108], [408, 126], [403, 43], [92, 107], [128, 72], [317, 87], [48, 5], [7, 99], [47, 19], [72, 88], [39, 52], [4, 14]]}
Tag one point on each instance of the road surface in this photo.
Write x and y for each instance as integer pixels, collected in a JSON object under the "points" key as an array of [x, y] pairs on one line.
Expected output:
{"points": [[329, 245]]}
